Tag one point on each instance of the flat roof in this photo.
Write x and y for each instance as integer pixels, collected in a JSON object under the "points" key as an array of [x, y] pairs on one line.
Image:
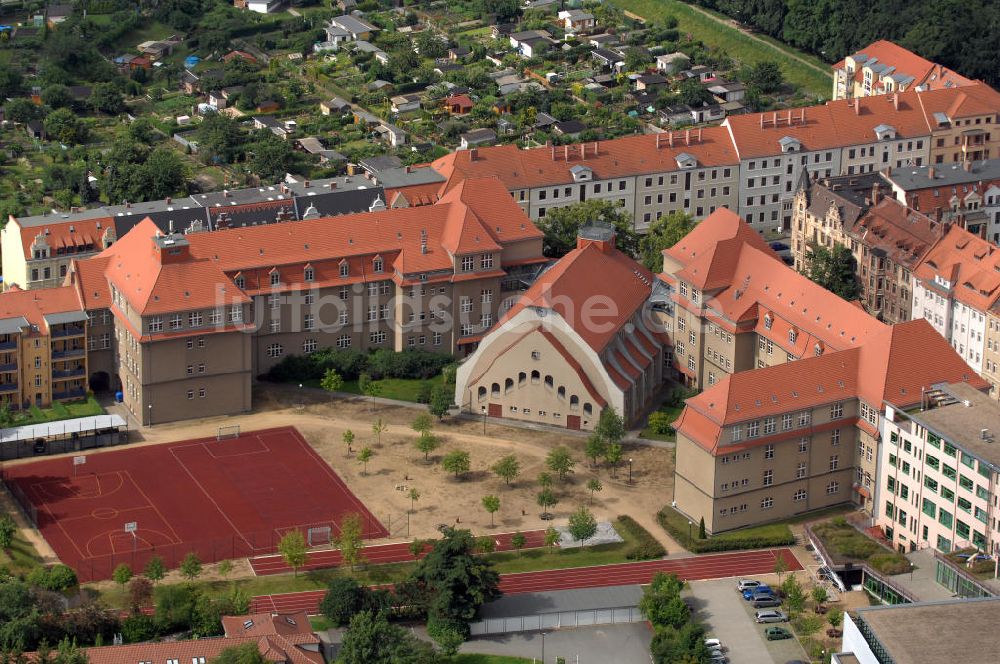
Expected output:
{"points": [[580, 599], [61, 428], [909, 178], [947, 631], [962, 422]]}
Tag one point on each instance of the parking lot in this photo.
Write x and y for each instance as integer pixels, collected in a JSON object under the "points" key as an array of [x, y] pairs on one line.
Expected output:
{"points": [[729, 618]]}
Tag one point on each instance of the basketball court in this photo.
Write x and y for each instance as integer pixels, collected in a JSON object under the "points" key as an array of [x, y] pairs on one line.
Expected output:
{"points": [[228, 496]]}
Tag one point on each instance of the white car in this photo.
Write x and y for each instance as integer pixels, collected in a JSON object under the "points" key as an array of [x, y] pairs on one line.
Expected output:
{"points": [[747, 584], [713, 644]]}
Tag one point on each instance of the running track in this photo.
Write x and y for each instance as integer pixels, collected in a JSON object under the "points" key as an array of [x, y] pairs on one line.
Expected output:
{"points": [[378, 555], [716, 566]]}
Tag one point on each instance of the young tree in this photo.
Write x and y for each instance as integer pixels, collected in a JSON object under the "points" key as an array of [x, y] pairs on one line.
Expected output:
{"points": [[422, 423], [370, 388], [560, 461], [595, 448], [122, 575], [517, 542], [544, 480], [552, 537], [835, 617], [780, 567], [155, 570], [507, 468], [819, 596], [610, 426], [332, 381], [486, 544], [794, 595], [613, 456], [417, 547], [378, 428], [191, 566], [140, 592], [441, 400], [364, 456], [349, 541], [582, 524], [427, 443], [491, 504], [292, 548], [456, 461], [225, 569], [414, 496], [701, 529], [594, 486], [546, 498], [7, 531], [348, 438]]}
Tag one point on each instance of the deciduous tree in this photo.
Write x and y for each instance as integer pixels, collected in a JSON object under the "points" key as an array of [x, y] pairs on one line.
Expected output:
{"points": [[560, 461], [507, 468], [582, 524], [457, 461], [491, 504], [293, 550]]}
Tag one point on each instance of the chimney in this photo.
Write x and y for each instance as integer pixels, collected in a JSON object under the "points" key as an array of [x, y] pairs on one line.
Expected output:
{"points": [[566, 152], [857, 106], [553, 152], [876, 194], [474, 154], [283, 188], [895, 100], [597, 146], [687, 137], [930, 173], [168, 200], [657, 141], [170, 226], [967, 165], [670, 138], [225, 193], [305, 184], [699, 135], [408, 169]]}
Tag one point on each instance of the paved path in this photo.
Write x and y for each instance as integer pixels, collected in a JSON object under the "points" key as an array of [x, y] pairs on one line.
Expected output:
{"points": [[378, 554], [713, 566], [720, 608]]}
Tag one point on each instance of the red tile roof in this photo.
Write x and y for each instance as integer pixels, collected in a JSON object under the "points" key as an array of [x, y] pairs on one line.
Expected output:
{"points": [[968, 101], [34, 305], [630, 155], [902, 233], [265, 624], [970, 263], [594, 290], [908, 63], [67, 238]]}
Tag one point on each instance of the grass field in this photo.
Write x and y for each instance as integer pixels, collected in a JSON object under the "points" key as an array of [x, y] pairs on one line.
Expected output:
{"points": [[21, 557], [61, 411], [401, 389], [815, 82]]}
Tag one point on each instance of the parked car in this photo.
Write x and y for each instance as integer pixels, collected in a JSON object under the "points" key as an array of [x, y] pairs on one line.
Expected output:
{"points": [[766, 603], [780, 246], [753, 593], [777, 633], [713, 644], [718, 659], [745, 584], [770, 616]]}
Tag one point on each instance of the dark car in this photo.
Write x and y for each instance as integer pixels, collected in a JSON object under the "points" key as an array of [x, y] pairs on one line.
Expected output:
{"points": [[780, 246], [766, 602]]}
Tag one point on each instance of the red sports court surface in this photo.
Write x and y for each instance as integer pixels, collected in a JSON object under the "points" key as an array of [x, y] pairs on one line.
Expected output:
{"points": [[222, 499], [714, 566]]}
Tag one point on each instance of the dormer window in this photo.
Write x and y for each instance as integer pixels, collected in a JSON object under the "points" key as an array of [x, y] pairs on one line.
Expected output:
{"points": [[275, 278], [819, 349], [377, 264], [885, 132], [768, 321], [789, 144], [793, 334], [308, 274], [240, 281], [468, 263], [344, 269]]}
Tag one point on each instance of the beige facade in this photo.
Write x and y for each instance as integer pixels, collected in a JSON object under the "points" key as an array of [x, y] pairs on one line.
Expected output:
{"points": [[38, 255]]}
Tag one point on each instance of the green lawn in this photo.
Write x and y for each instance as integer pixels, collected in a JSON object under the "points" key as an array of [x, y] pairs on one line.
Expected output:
{"points": [[21, 557], [401, 389], [470, 658], [847, 544], [754, 537], [737, 44], [60, 411]]}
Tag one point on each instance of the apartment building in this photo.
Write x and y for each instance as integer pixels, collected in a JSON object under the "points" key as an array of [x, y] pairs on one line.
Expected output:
{"points": [[751, 164], [693, 171], [583, 337], [938, 472], [886, 238], [966, 193], [956, 287], [766, 444], [884, 68], [37, 250], [43, 354], [198, 316], [735, 306]]}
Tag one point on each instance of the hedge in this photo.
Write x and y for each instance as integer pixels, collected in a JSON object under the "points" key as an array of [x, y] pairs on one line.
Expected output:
{"points": [[746, 538], [350, 364], [646, 547]]}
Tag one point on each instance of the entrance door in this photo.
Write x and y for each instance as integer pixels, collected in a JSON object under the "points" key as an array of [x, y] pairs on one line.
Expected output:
{"points": [[573, 422], [495, 410]]}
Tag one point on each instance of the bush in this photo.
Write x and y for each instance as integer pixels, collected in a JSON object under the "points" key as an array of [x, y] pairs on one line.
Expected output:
{"points": [[659, 422], [646, 546], [889, 563], [807, 625], [57, 578], [350, 364], [761, 537], [814, 647], [138, 627]]}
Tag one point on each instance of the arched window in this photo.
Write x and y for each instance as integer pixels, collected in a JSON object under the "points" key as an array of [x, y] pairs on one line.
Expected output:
{"points": [[495, 389], [574, 402], [535, 377], [508, 385], [482, 392], [548, 382], [561, 392], [588, 409], [522, 378]]}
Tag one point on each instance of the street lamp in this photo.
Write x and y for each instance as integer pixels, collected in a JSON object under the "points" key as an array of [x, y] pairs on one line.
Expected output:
{"points": [[543, 647], [690, 541], [630, 470], [483, 410], [150, 407]]}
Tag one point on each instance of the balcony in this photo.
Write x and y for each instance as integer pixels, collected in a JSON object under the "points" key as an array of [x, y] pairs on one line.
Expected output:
{"points": [[68, 353], [70, 373], [8, 345], [8, 387], [8, 368], [75, 393], [68, 331]]}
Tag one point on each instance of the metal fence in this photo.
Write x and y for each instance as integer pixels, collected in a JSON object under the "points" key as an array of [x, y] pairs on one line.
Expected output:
{"points": [[563, 619]]}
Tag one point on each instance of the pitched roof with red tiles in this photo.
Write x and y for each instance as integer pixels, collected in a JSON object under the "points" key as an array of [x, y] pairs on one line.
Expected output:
{"points": [[629, 155], [264, 624], [970, 263], [596, 291], [896, 365], [476, 216], [973, 100], [902, 233], [83, 235], [35, 305], [892, 55]]}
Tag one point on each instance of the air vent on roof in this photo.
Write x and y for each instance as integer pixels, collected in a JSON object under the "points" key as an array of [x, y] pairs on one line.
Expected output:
{"points": [[247, 624]]}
